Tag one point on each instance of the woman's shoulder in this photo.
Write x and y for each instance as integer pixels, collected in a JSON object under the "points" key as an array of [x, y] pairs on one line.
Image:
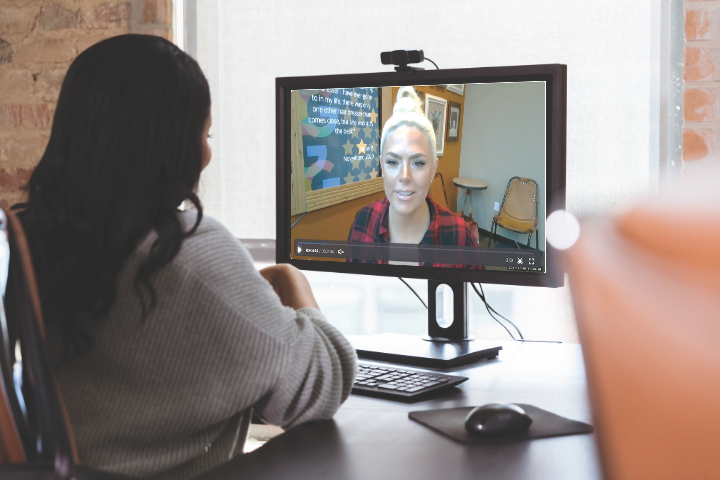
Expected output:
{"points": [[451, 228], [377, 207], [207, 224], [210, 246], [210, 239], [367, 221], [448, 217]]}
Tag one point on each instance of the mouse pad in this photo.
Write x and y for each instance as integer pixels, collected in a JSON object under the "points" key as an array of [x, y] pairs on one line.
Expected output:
{"points": [[451, 422]]}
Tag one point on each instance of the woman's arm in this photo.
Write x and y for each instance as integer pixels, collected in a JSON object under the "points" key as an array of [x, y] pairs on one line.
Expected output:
{"points": [[290, 285], [281, 354]]}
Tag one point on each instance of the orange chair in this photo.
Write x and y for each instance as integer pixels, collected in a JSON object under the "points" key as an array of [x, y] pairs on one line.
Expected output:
{"points": [[648, 312], [35, 436], [519, 209]]}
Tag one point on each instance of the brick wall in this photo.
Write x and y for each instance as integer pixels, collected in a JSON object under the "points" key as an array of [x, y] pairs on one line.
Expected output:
{"points": [[38, 41], [701, 128]]}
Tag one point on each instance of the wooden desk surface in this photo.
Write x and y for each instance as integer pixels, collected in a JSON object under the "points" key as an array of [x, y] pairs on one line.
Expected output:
{"points": [[371, 438]]}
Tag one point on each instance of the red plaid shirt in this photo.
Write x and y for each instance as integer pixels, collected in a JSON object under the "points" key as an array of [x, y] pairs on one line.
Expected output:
{"points": [[446, 228]]}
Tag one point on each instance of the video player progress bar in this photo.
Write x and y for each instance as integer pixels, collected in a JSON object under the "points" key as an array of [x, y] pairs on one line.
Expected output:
{"points": [[518, 259]]}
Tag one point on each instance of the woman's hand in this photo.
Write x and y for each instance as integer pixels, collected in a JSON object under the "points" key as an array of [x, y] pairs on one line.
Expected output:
{"points": [[290, 285]]}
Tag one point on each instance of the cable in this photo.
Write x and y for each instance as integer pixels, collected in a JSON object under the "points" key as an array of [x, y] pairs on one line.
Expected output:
{"points": [[482, 297], [490, 310], [432, 63], [413, 290], [491, 315], [487, 305], [514, 240]]}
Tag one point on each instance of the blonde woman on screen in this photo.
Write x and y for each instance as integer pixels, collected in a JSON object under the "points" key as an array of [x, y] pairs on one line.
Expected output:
{"points": [[408, 155]]}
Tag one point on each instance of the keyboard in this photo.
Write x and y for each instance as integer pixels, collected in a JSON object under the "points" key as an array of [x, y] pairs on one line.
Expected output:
{"points": [[400, 383]]}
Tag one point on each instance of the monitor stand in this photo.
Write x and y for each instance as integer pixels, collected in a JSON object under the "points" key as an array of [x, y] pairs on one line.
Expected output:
{"points": [[447, 343]]}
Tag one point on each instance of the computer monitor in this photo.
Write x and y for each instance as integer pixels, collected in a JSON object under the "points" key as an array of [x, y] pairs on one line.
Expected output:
{"points": [[477, 214]]}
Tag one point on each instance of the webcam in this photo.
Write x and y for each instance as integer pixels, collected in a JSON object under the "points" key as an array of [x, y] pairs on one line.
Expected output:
{"points": [[401, 58]]}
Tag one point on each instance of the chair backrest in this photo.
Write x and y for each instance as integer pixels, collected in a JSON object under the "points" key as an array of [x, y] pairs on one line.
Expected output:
{"points": [[521, 199], [648, 312], [32, 417], [437, 190]]}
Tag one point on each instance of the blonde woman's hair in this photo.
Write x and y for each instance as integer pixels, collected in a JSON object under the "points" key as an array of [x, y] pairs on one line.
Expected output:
{"points": [[408, 111]]}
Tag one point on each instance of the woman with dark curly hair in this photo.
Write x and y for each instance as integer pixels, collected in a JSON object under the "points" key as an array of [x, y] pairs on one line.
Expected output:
{"points": [[164, 335]]}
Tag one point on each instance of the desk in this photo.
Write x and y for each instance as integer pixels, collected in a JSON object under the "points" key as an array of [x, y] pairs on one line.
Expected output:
{"points": [[374, 439], [469, 184]]}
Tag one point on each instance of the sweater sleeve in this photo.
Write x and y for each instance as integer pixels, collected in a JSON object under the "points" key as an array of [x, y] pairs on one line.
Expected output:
{"points": [[307, 389], [296, 367]]}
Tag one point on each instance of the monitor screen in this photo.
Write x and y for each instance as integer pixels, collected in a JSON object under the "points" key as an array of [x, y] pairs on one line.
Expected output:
{"points": [[446, 174]]}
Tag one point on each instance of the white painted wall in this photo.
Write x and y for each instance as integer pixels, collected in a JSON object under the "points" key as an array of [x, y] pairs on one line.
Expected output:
{"points": [[503, 136]]}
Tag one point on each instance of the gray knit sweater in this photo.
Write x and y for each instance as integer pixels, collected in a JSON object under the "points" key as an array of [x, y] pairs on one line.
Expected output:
{"points": [[171, 396]]}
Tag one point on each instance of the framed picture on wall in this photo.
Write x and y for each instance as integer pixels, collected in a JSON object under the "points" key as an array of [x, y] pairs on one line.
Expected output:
{"points": [[459, 89], [436, 112], [453, 125]]}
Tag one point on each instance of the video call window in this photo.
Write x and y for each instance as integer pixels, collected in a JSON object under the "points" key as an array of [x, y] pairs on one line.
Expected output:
{"points": [[426, 175]]}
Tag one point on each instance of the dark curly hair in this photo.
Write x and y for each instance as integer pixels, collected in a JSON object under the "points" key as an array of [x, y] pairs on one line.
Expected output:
{"points": [[125, 151]]}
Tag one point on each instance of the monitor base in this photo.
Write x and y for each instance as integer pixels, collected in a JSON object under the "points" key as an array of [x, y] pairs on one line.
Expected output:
{"points": [[413, 350], [428, 338]]}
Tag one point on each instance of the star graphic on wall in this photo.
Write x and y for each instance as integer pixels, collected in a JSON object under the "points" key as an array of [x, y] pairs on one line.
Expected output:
{"points": [[361, 147], [368, 132], [356, 164], [368, 161], [373, 173], [373, 116], [347, 115], [349, 178], [373, 147], [348, 148], [355, 131], [362, 176]]}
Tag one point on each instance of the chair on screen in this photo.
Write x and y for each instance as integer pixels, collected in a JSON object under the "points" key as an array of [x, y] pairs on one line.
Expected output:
{"points": [[648, 314], [519, 209], [439, 196], [437, 191], [35, 436]]}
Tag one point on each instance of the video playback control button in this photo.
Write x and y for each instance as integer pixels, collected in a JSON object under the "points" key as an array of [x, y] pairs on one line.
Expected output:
{"points": [[310, 250]]}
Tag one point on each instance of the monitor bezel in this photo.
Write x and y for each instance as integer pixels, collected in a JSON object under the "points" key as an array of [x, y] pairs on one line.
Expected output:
{"points": [[556, 90]]}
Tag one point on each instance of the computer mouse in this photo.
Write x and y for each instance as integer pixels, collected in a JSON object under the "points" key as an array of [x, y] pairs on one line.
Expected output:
{"points": [[496, 419]]}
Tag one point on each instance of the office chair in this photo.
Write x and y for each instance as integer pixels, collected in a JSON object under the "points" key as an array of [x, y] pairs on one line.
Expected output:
{"points": [[519, 209], [35, 436], [648, 314]]}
